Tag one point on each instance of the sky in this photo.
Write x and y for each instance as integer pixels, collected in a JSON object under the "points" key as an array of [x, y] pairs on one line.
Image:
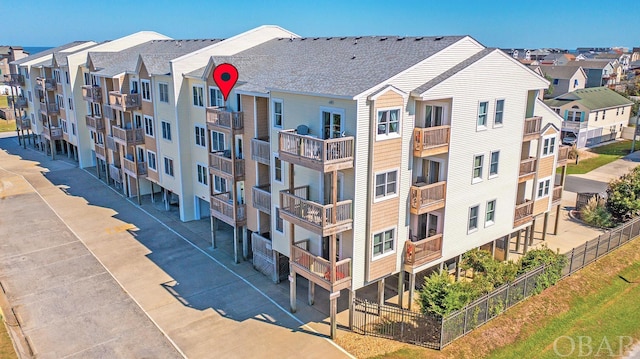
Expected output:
{"points": [[505, 24]]}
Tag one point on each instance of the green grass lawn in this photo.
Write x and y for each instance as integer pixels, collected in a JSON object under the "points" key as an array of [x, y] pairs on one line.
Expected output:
{"points": [[6, 347], [4, 101], [6, 126], [606, 154]]}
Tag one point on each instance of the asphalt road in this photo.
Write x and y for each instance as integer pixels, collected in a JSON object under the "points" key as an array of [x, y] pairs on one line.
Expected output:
{"points": [[579, 184]]}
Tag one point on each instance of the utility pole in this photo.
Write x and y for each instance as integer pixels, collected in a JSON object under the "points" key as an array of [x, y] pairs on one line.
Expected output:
{"points": [[636, 132]]}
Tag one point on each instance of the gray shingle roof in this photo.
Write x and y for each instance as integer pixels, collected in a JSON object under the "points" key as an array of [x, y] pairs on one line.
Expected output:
{"points": [[338, 66], [590, 63], [158, 53], [47, 52], [560, 72]]}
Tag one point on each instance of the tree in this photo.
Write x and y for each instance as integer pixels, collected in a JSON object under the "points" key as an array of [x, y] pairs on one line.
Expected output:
{"points": [[623, 196]]}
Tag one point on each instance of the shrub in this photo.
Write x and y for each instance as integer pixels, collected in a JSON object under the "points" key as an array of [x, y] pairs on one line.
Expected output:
{"points": [[554, 263], [623, 196], [596, 214], [440, 295]]}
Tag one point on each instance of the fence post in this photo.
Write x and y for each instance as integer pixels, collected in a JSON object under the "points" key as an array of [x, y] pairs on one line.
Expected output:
{"points": [[366, 312], [506, 300], [464, 324], [442, 319], [401, 324], [598, 246], [486, 312], [524, 291], [584, 256]]}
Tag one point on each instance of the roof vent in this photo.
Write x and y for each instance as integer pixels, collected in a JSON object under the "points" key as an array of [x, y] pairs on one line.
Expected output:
{"points": [[383, 38], [419, 38], [400, 38], [438, 38], [315, 38], [359, 37], [353, 57], [342, 38], [329, 38]]}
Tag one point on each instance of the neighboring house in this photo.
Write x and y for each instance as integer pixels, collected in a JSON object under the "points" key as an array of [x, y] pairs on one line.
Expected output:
{"points": [[599, 72], [564, 79], [623, 59], [592, 114], [519, 54], [635, 54], [7, 55], [557, 59]]}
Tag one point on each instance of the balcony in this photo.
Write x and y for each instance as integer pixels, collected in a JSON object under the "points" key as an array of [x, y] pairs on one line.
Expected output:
{"points": [[111, 144], [18, 102], [261, 151], [527, 169], [427, 197], [563, 155], [574, 126], [14, 80], [219, 118], [133, 169], [225, 209], [318, 270], [319, 218], [100, 151], [46, 84], [320, 155], [108, 113], [127, 137], [124, 102], [431, 141], [222, 165], [422, 252], [115, 173], [557, 195], [532, 126], [49, 109], [261, 196], [94, 123], [24, 123], [523, 213], [92, 93], [53, 133]]}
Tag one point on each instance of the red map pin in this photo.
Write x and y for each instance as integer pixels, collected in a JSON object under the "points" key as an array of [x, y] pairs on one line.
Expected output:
{"points": [[225, 76]]}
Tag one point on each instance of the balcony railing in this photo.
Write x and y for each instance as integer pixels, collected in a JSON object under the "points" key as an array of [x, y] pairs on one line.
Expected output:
{"points": [[431, 141], [24, 123], [95, 123], [318, 269], [261, 196], [574, 126], [224, 208], [322, 155], [115, 173], [14, 80], [422, 251], [557, 195], [221, 118], [53, 133], [92, 93], [124, 102], [108, 113], [295, 207], [563, 155], [523, 213], [261, 151], [18, 102], [527, 169], [128, 137], [100, 151], [47, 84], [221, 165], [49, 109], [134, 169], [427, 197], [532, 126]]}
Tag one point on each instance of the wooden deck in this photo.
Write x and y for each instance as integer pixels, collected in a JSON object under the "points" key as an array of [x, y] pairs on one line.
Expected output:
{"points": [[318, 154]]}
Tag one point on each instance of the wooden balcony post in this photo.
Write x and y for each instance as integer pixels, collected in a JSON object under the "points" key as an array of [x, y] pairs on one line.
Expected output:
{"points": [[292, 289]]}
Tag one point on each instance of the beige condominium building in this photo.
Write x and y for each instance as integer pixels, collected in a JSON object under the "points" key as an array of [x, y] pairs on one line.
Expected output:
{"points": [[342, 160]]}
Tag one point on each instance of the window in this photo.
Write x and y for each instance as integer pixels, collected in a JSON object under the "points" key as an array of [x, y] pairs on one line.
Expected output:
{"points": [[96, 110], [217, 141], [168, 166], [575, 83], [383, 242], [277, 166], [87, 78], [543, 187], [163, 91], [388, 122], [493, 166], [623, 110], [201, 136], [596, 116], [482, 114], [277, 113], [70, 100], [66, 76], [386, 184], [548, 146], [556, 81], [73, 128], [198, 98], [29, 95], [64, 126], [478, 161], [202, 174], [151, 160], [215, 97], [219, 184], [146, 89], [148, 126], [473, 218], [134, 86], [279, 221], [166, 130], [617, 111], [499, 112], [491, 212], [604, 112], [60, 101]]}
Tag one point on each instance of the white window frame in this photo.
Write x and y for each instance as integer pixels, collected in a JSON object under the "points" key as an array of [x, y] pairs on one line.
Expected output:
{"points": [[166, 130], [481, 127], [197, 96], [548, 146], [387, 125], [217, 184], [149, 129], [487, 222], [145, 90], [219, 99], [388, 252], [220, 145], [163, 95], [494, 175], [200, 136], [168, 160], [277, 219], [152, 155], [70, 100], [477, 216], [474, 178], [202, 174], [546, 188], [275, 115], [386, 195], [277, 169], [496, 113]]}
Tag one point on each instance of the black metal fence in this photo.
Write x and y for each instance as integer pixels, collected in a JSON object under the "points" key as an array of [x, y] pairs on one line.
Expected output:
{"points": [[436, 332]]}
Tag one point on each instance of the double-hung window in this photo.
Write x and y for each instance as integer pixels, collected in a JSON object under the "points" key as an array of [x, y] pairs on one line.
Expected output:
{"points": [[493, 166], [548, 146], [201, 136], [497, 120], [215, 97], [483, 108], [166, 130], [388, 122], [198, 96], [491, 213], [478, 162], [202, 174], [219, 184], [386, 184], [168, 166], [151, 160], [146, 89], [544, 186], [277, 113], [383, 242], [148, 126], [473, 218], [163, 92], [217, 141]]}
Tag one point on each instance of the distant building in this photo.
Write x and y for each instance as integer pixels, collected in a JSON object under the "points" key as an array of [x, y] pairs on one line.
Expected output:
{"points": [[8, 54], [564, 79]]}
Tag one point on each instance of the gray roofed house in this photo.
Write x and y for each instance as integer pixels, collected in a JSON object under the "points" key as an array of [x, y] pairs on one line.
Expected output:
{"points": [[337, 66], [564, 79], [598, 71]]}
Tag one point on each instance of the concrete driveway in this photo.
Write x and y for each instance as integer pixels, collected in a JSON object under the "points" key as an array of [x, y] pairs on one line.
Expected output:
{"points": [[205, 306]]}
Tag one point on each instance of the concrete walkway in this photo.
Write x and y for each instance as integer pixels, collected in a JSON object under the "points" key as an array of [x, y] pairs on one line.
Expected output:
{"points": [[205, 304]]}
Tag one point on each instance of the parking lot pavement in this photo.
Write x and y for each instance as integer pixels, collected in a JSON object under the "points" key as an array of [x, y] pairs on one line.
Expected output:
{"points": [[205, 308]]}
